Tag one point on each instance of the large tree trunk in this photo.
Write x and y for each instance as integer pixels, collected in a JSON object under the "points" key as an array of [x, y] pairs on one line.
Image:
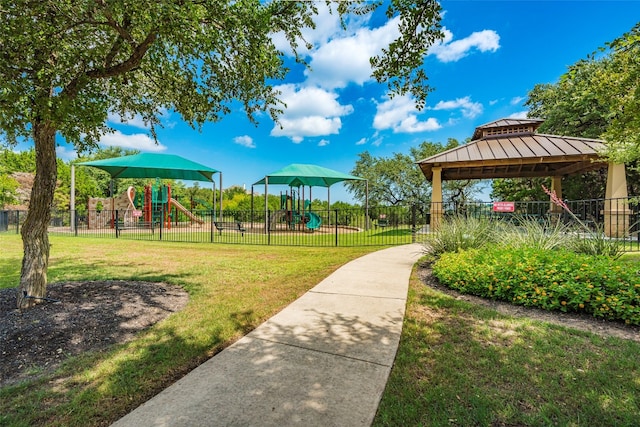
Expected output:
{"points": [[35, 240]]}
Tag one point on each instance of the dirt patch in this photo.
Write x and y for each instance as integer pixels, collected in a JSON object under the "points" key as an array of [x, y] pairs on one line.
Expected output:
{"points": [[583, 322], [89, 317]]}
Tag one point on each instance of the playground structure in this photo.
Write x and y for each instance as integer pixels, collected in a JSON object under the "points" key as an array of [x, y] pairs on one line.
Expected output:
{"points": [[295, 213], [131, 209], [103, 211]]}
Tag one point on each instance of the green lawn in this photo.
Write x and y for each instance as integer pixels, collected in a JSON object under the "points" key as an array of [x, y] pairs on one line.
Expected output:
{"points": [[460, 364], [232, 288]]}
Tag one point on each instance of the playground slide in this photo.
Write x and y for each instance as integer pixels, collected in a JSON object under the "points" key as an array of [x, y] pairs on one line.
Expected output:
{"points": [[185, 211], [313, 221]]}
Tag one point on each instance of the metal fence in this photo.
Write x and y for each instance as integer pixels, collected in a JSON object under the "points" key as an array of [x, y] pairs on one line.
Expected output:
{"points": [[344, 227], [390, 225]]}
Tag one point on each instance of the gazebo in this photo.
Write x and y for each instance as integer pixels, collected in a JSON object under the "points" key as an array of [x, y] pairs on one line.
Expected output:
{"points": [[511, 148]]}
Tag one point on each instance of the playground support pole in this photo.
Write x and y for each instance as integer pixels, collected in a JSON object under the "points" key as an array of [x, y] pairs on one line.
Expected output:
{"points": [[220, 195], [213, 202], [252, 207], [266, 205], [72, 198], [329, 204]]}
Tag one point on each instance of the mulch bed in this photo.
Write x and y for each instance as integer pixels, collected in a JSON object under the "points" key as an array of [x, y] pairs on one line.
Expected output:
{"points": [[90, 316]]}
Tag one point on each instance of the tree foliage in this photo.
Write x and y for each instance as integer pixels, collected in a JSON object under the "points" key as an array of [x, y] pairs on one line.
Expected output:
{"points": [[66, 65], [598, 97], [397, 180], [8, 187]]}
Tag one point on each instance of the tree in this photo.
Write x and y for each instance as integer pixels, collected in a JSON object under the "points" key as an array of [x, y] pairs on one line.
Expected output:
{"points": [[598, 97], [396, 180], [8, 187], [67, 64]]}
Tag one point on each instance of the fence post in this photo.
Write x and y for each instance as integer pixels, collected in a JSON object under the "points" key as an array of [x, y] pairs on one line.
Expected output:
{"points": [[161, 220], [117, 224], [267, 226], [212, 213], [17, 222], [413, 223], [75, 223], [336, 225]]}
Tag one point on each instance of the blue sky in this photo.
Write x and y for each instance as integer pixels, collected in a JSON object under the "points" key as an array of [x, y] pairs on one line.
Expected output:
{"points": [[493, 53]]}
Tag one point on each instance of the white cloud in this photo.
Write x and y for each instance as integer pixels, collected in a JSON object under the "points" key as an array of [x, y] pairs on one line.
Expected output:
{"points": [[468, 108], [299, 128], [412, 125], [401, 115], [361, 141], [493, 102], [323, 143], [450, 51], [345, 60], [519, 115], [516, 100], [137, 141], [245, 141], [310, 111], [66, 153]]}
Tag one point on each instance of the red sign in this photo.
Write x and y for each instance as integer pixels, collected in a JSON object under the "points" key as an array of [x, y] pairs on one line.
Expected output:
{"points": [[504, 206]]}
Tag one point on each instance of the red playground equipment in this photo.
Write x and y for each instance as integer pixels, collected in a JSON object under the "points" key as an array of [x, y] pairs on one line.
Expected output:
{"points": [[158, 205]]}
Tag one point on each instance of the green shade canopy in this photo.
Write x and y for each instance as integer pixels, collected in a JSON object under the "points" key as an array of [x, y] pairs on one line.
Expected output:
{"points": [[153, 165], [296, 175]]}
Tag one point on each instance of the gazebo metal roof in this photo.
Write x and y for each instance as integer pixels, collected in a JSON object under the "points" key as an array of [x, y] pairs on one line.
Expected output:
{"points": [[510, 148]]}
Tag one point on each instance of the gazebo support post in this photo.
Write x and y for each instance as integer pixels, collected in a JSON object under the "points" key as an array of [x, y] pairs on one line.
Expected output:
{"points": [[556, 187], [616, 212], [436, 198]]}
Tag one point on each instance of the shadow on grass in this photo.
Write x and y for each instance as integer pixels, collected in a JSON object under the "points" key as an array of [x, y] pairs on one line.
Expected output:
{"points": [[467, 365]]}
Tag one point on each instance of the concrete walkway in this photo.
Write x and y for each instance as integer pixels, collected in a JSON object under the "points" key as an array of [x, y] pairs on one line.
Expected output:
{"points": [[322, 361]]}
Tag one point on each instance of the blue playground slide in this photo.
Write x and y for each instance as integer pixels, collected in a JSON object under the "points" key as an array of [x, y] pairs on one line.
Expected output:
{"points": [[313, 221]]}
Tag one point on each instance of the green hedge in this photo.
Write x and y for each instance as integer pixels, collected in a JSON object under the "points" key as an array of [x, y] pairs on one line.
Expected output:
{"points": [[552, 280]]}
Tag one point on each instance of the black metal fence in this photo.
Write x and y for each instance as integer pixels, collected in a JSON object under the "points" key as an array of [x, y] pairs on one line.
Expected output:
{"points": [[345, 227], [389, 225]]}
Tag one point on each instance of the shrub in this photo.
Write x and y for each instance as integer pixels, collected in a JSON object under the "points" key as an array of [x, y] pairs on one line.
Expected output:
{"points": [[552, 280], [596, 243], [530, 233], [458, 233]]}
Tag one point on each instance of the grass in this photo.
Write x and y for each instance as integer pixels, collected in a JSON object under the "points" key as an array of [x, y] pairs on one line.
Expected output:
{"points": [[458, 364], [461, 364], [232, 288]]}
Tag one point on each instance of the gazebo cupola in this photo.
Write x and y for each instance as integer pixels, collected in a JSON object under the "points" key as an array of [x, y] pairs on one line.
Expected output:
{"points": [[507, 127], [512, 148]]}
